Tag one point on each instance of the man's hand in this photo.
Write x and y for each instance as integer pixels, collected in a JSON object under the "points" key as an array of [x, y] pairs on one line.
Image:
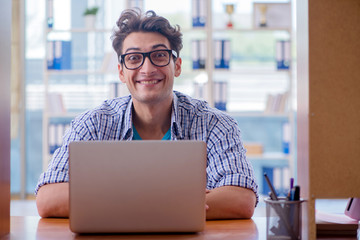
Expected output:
{"points": [[52, 200], [207, 206], [229, 202]]}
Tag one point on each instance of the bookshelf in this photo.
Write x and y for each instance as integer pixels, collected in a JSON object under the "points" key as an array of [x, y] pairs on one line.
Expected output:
{"points": [[85, 83], [256, 103], [241, 74]]}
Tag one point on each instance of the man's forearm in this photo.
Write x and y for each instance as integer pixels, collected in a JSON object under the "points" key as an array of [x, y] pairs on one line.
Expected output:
{"points": [[229, 202], [52, 200]]}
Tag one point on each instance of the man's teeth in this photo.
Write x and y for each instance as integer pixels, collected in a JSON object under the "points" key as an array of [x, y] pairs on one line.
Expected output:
{"points": [[149, 82]]}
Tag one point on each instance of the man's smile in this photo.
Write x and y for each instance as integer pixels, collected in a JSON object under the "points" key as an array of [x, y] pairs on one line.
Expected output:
{"points": [[148, 82]]}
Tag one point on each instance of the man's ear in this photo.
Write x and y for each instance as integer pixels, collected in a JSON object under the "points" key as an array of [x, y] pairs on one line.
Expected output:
{"points": [[178, 67], [121, 73]]}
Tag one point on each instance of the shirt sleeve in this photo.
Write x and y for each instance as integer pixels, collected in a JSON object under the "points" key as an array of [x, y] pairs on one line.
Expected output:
{"points": [[227, 162], [58, 168]]}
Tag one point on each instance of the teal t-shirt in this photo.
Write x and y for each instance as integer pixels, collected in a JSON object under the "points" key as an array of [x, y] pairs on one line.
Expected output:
{"points": [[136, 135]]}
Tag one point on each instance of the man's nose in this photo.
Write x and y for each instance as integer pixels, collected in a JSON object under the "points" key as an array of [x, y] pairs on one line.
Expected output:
{"points": [[147, 65]]}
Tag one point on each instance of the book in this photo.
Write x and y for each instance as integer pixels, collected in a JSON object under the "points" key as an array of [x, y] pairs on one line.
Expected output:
{"points": [[254, 148], [332, 224], [276, 103]]}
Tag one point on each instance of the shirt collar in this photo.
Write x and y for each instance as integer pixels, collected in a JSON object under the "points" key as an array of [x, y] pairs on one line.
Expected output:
{"points": [[176, 131], [127, 134]]}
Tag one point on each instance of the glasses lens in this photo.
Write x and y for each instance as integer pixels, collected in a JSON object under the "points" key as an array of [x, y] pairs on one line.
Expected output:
{"points": [[160, 58], [133, 60]]}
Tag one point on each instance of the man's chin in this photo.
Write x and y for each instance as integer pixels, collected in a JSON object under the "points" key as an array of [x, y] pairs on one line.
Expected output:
{"points": [[151, 99]]}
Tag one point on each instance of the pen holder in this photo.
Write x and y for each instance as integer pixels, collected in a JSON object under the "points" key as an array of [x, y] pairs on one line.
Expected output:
{"points": [[283, 219]]}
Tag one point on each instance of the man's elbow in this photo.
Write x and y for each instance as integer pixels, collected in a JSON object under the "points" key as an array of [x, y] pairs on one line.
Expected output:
{"points": [[42, 206], [52, 200], [246, 211], [245, 206]]}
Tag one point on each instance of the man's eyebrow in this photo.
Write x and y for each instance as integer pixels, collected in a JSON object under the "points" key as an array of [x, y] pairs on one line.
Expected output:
{"points": [[153, 47], [134, 48], [159, 45]]}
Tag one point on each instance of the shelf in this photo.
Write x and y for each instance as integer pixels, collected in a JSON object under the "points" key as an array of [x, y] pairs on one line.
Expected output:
{"points": [[80, 30], [268, 156], [63, 115], [259, 114], [239, 30], [79, 72], [250, 30], [257, 71]]}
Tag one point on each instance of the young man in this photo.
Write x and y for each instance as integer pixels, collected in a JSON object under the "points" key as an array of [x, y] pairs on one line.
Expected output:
{"points": [[148, 48]]}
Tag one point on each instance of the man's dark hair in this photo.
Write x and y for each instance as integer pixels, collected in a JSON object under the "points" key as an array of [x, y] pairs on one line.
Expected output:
{"points": [[132, 20]]}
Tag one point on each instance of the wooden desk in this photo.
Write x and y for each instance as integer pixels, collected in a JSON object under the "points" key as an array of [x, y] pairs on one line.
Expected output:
{"points": [[31, 227]]}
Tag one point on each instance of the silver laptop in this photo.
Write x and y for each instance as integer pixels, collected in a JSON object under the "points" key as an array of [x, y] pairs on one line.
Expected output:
{"points": [[137, 186]]}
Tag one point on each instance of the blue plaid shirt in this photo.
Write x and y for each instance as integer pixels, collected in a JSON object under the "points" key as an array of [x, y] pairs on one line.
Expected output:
{"points": [[191, 119]]}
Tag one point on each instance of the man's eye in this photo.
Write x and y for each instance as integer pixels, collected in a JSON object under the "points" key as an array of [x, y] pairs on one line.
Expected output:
{"points": [[133, 57], [160, 54]]}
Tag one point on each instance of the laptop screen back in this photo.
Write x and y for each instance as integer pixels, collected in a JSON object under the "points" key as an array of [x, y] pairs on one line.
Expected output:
{"points": [[137, 186]]}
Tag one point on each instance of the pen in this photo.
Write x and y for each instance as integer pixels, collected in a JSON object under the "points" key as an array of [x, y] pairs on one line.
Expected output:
{"points": [[291, 187], [295, 194], [291, 183], [273, 193]]}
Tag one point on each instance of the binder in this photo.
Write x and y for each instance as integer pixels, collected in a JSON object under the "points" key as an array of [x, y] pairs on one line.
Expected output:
{"points": [[62, 55], [198, 54], [50, 55], [195, 54], [220, 99], [199, 8], [217, 53], [226, 54], [222, 53], [50, 14], [202, 54], [286, 135], [283, 55]]}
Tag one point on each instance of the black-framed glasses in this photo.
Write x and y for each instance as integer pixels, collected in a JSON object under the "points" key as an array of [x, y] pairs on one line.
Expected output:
{"points": [[159, 58]]}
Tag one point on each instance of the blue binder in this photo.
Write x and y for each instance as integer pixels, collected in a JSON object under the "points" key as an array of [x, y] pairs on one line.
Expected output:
{"points": [[62, 55]]}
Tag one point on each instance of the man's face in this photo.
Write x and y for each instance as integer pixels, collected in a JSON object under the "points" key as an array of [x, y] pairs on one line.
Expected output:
{"points": [[149, 84]]}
